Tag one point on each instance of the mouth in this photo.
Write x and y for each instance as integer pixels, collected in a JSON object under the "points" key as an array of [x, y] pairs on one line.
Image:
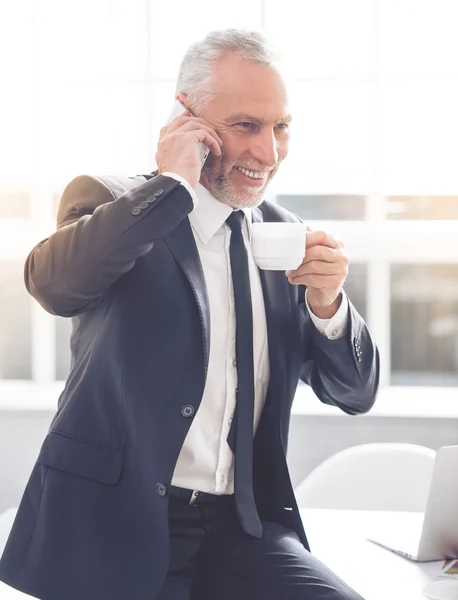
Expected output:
{"points": [[252, 178]]}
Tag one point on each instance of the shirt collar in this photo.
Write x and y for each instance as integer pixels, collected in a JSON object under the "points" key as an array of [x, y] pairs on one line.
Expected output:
{"points": [[210, 215]]}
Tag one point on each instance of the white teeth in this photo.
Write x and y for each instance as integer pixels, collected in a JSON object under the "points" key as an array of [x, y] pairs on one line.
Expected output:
{"points": [[251, 174]]}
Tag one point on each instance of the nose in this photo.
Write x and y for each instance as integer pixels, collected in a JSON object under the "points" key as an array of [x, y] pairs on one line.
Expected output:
{"points": [[264, 147]]}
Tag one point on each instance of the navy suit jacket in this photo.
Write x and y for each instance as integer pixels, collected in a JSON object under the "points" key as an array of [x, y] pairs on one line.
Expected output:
{"points": [[123, 263]]}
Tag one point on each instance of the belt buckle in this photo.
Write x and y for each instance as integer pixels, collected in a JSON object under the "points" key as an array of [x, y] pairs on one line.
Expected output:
{"points": [[193, 498]]}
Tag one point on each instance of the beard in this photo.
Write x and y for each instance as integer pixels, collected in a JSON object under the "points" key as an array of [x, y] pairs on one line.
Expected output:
{"points": [[217, 180]]}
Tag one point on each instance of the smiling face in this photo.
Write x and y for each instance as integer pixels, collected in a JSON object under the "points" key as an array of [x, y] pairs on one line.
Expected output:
{"points": [[248, 109]]}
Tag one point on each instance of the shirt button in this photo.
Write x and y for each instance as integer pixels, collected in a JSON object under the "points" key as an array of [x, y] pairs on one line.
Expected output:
{"points": [[334, 333], [230, 421], [161, 489], [188, 410], [234, 363]]}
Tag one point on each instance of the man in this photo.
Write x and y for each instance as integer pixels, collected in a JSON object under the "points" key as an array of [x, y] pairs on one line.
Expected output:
{"points": [[149, 484]]}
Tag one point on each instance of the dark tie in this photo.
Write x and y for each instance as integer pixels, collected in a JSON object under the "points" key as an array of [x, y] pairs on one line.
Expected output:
{"points": [[240, 438]]}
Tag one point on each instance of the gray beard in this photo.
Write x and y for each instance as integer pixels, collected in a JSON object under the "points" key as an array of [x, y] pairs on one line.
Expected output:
{"points": [[221, 188]]}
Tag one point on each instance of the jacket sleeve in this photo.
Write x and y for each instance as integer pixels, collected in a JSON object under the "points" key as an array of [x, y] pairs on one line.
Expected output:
{"points": [[98, 239], [343, 372]]}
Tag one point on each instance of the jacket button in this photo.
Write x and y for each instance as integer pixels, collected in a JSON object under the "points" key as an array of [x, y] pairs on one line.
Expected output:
{"points": [[151, 199], [158, 192], [188, 410], [161, 489], [143, 204], [136, 210]]}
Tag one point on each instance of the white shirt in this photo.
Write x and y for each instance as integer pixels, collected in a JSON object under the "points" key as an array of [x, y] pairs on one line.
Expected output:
{"points": [[206, 462]]}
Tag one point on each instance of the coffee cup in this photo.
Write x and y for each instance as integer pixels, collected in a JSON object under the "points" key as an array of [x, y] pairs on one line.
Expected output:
{"points": [[278, 246]]}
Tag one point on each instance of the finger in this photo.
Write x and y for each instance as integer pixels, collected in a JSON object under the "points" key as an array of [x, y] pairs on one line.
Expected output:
{"points": [[318, 282], [176, 122], [322, 253], [192, 125], [189, 124], [321, 238], [201, 135], [316, 267]]}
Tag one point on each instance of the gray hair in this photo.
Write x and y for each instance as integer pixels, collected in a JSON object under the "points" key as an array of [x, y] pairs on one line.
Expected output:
{"points": [[195, 74]]}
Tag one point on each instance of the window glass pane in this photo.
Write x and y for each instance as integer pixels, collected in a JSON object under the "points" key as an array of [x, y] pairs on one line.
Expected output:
{"points": [[15, 323], [424, 324], [92, 39], [355, 287], [17, 41], [94, 129], [175, 28], [63, 354], [422, 207], [418, 38], [330, 144], [14, 204], [329, 38], [18, 127], [324, 207], [162, 100], [19, 79], [418, 132]]}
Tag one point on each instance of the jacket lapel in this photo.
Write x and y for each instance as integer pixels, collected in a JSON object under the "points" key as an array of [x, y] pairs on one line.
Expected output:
{"points": [[277, 301], [182, 245]]}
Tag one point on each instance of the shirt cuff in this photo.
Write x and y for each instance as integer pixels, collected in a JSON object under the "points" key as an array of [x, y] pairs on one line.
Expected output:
{"points": [[184, 183], [334, 328]]}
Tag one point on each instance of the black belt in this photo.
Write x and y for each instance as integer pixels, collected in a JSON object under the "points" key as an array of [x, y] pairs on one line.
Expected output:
{"points": [[196, 498]]}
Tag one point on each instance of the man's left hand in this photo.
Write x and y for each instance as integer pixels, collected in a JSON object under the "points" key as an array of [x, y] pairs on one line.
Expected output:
{"points": [[323, 270]]}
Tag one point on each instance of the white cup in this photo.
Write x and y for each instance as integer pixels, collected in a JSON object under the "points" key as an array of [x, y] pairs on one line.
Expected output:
{"points": [[278, 246]]}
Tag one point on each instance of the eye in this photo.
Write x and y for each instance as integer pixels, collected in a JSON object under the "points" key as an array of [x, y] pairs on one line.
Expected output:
{"points": [[282, 126], [248, 125]]}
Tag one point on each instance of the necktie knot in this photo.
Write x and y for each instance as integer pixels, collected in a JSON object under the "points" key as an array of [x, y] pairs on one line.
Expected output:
{"points": [[235, 220]]}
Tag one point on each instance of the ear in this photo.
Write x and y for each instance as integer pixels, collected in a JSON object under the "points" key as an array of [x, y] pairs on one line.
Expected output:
{"points": [[182, 97]]}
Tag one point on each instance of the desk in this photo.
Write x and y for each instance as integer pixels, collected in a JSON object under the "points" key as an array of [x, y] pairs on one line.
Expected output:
{"points": [[338, 539]]}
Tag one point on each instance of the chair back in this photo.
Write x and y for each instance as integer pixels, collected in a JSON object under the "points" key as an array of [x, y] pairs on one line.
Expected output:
{"points": [[385, 476]]}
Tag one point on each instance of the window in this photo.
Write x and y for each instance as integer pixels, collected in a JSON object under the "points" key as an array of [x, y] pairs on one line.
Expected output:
{"points": [[424, 324], [327, 207], [372, 155], [15, 324], [14, 204], [62, 341], [422, 207]]}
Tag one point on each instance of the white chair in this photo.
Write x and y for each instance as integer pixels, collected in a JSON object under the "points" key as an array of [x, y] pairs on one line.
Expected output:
{"points": [[387, 476]]}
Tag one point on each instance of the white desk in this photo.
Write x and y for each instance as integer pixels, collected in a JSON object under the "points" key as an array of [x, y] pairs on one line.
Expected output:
{"points": [[338, 539]]}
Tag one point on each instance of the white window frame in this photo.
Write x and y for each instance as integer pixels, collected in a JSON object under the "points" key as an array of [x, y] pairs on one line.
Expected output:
{"points": [[376, 242]]}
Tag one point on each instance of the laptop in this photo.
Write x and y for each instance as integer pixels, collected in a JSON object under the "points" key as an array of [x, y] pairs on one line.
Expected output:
{"points": [[432, 535]]}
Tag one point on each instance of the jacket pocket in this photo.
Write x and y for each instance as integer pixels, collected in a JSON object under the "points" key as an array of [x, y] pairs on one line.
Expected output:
{"points": [[81, 458]]}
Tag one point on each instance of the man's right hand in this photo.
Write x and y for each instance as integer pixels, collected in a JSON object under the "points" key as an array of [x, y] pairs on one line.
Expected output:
{"points": [[178, 151]]}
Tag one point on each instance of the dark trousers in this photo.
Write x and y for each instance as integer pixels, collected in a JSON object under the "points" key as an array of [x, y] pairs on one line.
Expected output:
{"points": [[213, 559]]}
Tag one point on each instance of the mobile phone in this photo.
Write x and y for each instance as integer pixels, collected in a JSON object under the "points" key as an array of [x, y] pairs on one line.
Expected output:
{"points": [[179, 109]]}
